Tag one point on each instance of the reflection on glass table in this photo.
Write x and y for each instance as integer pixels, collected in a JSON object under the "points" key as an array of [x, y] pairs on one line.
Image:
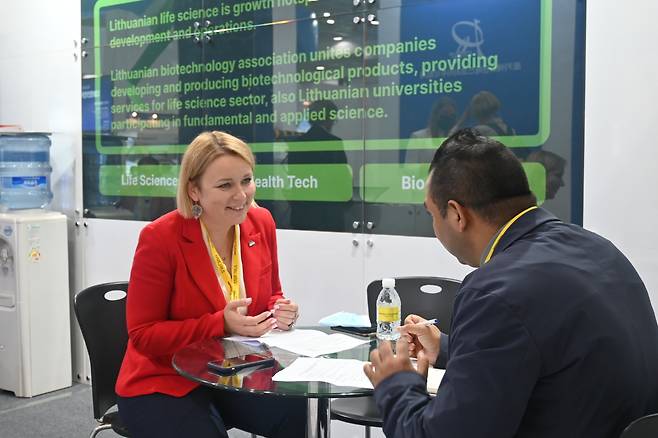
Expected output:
{"points": [[192, 363]]}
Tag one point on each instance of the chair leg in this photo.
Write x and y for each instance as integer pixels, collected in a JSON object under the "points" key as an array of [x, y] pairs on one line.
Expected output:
{"points": [[99, 428], [367, 431]]}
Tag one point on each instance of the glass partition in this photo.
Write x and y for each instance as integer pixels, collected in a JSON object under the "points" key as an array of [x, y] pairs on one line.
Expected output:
{"points": [[343, 102], [442, 65], [142, 59], [302, 113]]}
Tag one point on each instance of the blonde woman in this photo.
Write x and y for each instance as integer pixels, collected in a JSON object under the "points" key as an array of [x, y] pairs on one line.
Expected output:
{"points": [[208, 268]]}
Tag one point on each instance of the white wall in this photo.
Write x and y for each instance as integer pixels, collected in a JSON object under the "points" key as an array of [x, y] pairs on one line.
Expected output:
{"points": [[621, 172], [40, 91]]}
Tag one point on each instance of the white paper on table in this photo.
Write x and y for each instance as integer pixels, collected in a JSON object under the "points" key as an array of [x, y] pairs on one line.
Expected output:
{"points": [[340, 372], [310, 343], [434, 377], [274, 333]]}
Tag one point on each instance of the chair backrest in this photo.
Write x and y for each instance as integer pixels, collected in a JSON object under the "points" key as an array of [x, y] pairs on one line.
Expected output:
{"points": [[643, 427], [101, 314], [429, 297]]}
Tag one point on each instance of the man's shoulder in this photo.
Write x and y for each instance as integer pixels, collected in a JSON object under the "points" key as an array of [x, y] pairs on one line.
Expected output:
{"points": [[556, 261]]}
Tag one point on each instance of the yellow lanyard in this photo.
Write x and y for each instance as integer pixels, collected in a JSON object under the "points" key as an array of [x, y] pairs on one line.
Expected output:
{"points": [[507, 225], [231, 280], [234, 380]]}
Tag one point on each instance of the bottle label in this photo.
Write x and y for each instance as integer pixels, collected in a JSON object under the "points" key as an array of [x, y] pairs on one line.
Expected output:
{"points": [[388, 314], [19, 182]]}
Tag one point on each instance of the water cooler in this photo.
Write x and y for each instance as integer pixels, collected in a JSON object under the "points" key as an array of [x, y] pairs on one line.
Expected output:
{"points": [[35, 340]]}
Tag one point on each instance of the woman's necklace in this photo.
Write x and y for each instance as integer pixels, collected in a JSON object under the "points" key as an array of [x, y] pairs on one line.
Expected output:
{"points": [[225, 254]]}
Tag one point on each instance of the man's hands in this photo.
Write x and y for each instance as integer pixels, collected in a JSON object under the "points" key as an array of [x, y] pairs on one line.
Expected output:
{"points": [[286, 312], [383, 363], [417, 340], [252, 326], [421, 338]]}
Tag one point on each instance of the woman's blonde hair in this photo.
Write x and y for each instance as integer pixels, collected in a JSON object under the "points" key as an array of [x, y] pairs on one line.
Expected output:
{"points": [[203, 150]]}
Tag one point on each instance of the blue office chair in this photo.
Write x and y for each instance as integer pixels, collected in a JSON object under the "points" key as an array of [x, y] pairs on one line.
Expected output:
{"points": [[429, 297], [643, 427], [101, 314]]}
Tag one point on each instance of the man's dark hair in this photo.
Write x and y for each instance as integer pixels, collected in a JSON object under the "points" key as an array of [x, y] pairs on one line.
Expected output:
{"points": [[481, 174]]}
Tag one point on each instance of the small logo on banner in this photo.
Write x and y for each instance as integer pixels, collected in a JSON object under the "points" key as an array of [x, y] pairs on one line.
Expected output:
{"points": [[469, 36]]}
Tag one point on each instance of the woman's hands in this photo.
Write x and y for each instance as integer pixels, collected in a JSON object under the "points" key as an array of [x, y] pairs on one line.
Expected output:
{"points": [[252, 326], [286, 312], [282, 316]]}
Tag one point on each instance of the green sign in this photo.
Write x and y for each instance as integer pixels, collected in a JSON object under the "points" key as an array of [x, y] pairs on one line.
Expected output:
{"points": [[380, 183], [405, 183], [536, 174], [145, 180], [394, 183], [304, 182]]}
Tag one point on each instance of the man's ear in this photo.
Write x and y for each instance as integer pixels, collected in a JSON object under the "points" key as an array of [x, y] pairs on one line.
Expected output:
{"points": [[460, 214]]}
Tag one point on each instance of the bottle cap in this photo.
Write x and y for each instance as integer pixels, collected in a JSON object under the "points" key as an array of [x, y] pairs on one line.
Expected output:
{"points": [[388, 282]]}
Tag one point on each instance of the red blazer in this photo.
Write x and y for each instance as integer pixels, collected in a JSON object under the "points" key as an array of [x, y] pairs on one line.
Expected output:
{"points": [[174, 297]]}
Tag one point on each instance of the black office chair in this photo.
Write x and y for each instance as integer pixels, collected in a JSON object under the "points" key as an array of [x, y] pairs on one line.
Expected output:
{"points": [[643, 427], [429, 297], [101, 314]]}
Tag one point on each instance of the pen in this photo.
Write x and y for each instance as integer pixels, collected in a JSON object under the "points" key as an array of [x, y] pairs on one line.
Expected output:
{"points": [[430, 322]]}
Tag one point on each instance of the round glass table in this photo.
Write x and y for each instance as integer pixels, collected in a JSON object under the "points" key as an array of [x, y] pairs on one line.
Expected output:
{"points": [[192, 363]]}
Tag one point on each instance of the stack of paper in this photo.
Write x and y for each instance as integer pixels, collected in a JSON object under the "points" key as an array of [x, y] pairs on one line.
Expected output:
{"points": [[340, 372], [434, 377], [310, 343]]}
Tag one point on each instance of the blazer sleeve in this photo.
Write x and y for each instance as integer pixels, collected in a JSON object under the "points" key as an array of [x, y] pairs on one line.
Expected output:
{"points": [[494, 365], [270, 233], [150, 294]]}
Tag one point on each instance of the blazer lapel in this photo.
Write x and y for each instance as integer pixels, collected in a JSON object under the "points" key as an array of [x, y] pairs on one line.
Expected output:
{"points": [[251, 246], [198, 263]]}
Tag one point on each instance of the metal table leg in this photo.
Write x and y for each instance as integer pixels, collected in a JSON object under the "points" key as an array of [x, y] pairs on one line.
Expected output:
{"points": [[319, 420]]}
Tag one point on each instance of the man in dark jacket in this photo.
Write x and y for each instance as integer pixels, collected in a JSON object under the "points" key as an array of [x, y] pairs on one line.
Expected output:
{"points": [[552, 336]]}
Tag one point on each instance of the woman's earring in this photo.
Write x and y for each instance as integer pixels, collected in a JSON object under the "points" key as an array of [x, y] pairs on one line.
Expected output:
{"points": [[196, 210]]}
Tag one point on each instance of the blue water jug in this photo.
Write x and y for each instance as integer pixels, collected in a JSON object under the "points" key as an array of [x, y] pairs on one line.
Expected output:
{"points": [[24, 171]]}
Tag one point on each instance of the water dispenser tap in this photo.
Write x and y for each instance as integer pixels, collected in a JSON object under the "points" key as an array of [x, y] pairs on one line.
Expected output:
{"points": [[5, 258]]}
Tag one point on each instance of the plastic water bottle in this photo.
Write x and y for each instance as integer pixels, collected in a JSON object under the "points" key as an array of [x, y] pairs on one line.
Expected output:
{"points": [[388, 311], [24, 171]]}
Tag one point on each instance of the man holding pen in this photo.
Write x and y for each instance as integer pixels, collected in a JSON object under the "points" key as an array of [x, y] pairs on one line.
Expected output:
{"points": [[552, 336]]}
